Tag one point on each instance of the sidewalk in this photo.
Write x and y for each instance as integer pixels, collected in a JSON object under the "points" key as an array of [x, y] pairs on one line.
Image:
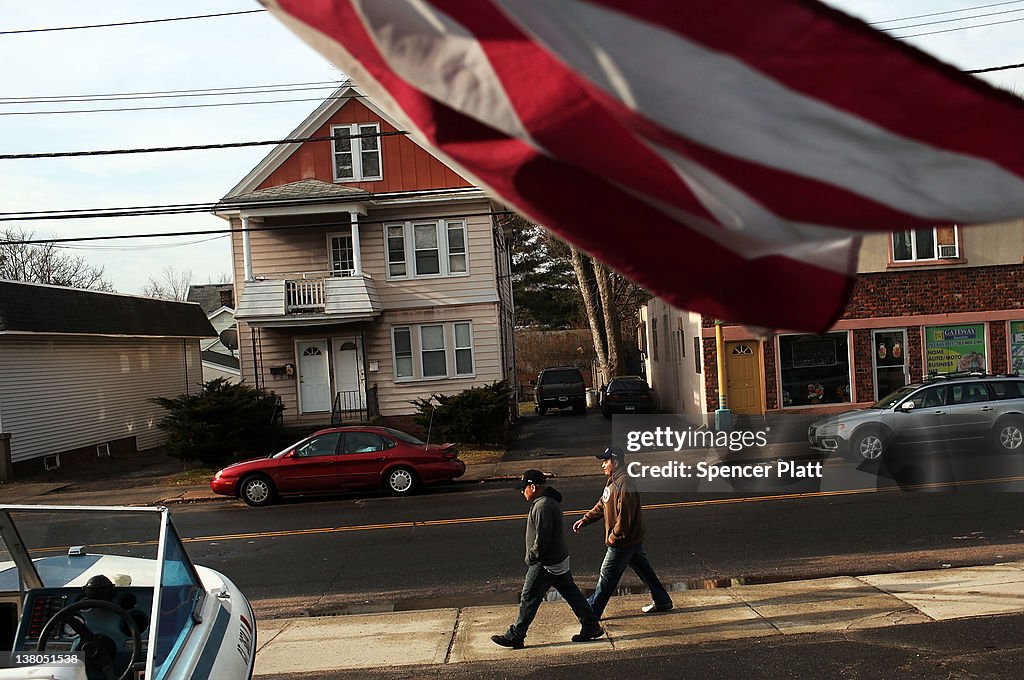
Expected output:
{"points": [[452, 636]]}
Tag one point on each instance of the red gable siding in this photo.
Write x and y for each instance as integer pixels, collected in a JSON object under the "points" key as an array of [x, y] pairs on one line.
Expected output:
{"points": [[407, 167]]}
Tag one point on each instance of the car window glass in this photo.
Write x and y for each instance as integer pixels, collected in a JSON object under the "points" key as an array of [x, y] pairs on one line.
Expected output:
{"points": [[363, 442], [931, 397], [1007, 389], [969, 393], [567, 375], [324, 445]]}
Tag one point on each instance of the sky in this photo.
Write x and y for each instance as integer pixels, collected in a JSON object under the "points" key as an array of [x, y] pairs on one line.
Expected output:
{"points": [[243, 51]]}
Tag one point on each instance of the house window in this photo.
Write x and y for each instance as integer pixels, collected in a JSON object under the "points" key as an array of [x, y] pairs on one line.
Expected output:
{"points": [[443, 350], [463, 349], [457, 247], [356, 152], [815, 369], [436, 248], [936, 243], [396, 250], [403, 352], [426, 251], [432, 352], [342, 256]]}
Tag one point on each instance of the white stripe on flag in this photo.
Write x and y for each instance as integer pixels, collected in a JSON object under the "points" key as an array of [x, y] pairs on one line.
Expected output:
{"points": [[720, 102]]}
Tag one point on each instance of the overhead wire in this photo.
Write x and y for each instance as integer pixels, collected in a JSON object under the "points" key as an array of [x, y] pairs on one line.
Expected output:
{"points": [[131, 23]]}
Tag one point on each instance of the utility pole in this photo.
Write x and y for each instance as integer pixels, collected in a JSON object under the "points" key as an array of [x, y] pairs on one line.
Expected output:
{"points": [[723, 416]]}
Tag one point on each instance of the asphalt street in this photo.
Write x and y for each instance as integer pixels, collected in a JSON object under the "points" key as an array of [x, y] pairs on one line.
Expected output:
{"points": [[463, 544]]}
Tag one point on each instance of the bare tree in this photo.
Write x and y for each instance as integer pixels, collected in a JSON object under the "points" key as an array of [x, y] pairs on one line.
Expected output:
{"points": [[171, 284], [592, 307], [46, 263]]}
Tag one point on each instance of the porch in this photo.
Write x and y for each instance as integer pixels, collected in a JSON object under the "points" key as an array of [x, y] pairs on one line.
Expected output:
{"points": [[296, 298]]}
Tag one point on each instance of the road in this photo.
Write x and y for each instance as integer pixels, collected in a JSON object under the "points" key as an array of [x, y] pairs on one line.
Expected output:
{"points": [[463, 544]]}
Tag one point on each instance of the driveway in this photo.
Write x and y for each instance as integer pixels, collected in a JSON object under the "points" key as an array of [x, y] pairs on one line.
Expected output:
{"points": [[559, 434]]}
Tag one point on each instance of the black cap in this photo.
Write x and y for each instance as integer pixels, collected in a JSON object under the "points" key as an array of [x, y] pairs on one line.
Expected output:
{"points": [[531, 477], [613, 453]]}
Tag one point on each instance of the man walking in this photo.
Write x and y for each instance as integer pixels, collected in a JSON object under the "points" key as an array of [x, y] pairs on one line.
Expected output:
{"points": [[623, 534], [547, 559]]}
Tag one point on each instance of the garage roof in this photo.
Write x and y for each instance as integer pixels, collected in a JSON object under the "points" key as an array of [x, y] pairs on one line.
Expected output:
{"points": [[38, 308]]}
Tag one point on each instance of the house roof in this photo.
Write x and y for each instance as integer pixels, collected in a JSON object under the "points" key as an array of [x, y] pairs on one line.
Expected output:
{"points": [[304, 189], [38, 308], [218, 359], [209, 295]]}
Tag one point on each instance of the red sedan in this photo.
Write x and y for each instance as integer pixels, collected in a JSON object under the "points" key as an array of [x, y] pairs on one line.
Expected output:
{"points": [[340, 459]]}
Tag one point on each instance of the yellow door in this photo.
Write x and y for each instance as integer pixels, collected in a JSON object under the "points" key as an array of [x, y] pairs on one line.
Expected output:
{"points": [[743, 376]]}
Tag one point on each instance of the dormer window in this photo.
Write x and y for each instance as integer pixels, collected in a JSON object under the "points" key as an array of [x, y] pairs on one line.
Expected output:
{"points": [[356, 152]]}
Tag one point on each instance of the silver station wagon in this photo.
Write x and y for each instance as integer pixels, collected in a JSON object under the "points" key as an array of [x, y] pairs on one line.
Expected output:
{"points": [[961, 412]]}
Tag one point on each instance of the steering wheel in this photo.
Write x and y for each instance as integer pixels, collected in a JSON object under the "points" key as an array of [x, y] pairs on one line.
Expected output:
{"points": [[95, 653]]}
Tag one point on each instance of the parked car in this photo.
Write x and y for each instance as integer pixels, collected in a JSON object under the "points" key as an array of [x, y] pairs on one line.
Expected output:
{"points": [[958, 412], [341, 459], [560, 387], [100, 593], [626, 394]]}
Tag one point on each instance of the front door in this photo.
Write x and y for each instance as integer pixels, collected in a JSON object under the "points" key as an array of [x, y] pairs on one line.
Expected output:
{"points": [[743, 376], [348, 373], [314, 383]]}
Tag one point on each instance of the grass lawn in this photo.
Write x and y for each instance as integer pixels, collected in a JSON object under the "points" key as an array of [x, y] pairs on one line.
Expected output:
{"points": [[191, 477], [472, 455]]}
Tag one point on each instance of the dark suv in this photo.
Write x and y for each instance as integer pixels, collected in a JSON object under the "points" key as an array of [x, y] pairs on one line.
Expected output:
{"points": [[560, 387], [958, 412]]}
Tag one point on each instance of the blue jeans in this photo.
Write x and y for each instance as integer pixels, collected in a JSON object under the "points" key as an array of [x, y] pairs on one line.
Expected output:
{"points": [[537, 584], [615, 562]]}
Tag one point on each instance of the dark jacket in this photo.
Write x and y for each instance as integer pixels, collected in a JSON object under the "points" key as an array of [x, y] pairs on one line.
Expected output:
{"points": [[621, 508], [545, 537]]}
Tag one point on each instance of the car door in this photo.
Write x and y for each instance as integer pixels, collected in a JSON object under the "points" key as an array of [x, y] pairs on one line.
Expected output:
{"points": [[922, 427], [971, 411], [313, 466], [362, 460]]}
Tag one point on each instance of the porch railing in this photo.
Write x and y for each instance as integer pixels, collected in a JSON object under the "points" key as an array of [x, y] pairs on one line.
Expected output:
{"points": [[304, 295], [352, 407]]}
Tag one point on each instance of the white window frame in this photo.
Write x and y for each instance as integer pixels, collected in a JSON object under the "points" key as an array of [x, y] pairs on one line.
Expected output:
{"points": [[356, 149], [456, 349], [439, 245], [416, 345], [330, 253], [444, 254], [443, 350], [935, 246], [394, 353]]}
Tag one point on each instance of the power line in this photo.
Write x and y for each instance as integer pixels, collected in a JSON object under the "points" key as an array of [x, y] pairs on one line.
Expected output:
{"points": [[962, 28], [149, 92], [132, 23], [251, 229], [12, 101], [165, 108], [192, 147], [186, 208], [995, 68], [949, 11], [950, 21]]}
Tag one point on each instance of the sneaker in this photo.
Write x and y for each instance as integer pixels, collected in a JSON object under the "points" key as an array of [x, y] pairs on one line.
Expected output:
{"points": [[653, 608], [503, 641], [588, 633]]}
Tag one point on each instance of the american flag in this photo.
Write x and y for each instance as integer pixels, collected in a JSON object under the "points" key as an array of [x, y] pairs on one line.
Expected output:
{"points": [[728, 155]]}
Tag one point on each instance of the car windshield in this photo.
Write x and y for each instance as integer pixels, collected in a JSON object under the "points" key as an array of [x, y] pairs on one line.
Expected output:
{"points": [[51, 550], [565, 375], [893, 398]]}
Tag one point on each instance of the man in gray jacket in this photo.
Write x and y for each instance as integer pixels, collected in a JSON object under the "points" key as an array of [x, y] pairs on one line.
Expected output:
{"points": [[547, 559]]}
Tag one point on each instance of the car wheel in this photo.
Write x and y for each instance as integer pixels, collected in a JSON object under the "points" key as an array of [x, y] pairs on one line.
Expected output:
{"points": [[401, 481], [1009, 435], [580, 410], [541, 410], [606, 414], [257, 490], [869, 445]]}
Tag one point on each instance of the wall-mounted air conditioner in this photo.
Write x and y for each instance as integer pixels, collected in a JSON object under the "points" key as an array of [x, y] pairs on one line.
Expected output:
{"points": [[948, 253]]}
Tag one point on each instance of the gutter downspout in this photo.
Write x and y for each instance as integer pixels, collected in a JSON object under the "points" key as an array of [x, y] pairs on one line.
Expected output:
{"points": [[246, 248]]}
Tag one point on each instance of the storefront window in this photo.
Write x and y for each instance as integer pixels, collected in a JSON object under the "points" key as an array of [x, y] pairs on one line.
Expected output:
{"points": [[952, 349], [1017, 347], [815, 369]]}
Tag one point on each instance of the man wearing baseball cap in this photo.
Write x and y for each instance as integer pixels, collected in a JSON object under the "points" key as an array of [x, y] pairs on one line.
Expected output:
{"points": [[547, 559], [622, 511]]}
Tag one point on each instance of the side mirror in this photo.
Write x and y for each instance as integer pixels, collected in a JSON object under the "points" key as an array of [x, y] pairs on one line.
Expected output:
{"points": [[908, 406]]}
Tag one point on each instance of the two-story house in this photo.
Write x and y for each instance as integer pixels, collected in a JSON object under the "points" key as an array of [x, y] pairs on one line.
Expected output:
{"points": [[925, 301], [367, 272]]}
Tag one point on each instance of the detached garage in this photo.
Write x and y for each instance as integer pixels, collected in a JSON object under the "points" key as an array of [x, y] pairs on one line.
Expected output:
{"points": [[78, 369]]}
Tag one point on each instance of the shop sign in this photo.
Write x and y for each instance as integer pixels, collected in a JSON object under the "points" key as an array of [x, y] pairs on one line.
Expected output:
{"points": [[950, 349]]}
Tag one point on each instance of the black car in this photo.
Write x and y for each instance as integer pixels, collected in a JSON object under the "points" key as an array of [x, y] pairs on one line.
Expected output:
{"points": [[627, 394], [560, 387]]}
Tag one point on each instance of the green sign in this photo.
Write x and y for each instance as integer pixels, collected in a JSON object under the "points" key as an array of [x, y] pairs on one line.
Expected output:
{"points": [[1017, 346], [955, 348]]}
